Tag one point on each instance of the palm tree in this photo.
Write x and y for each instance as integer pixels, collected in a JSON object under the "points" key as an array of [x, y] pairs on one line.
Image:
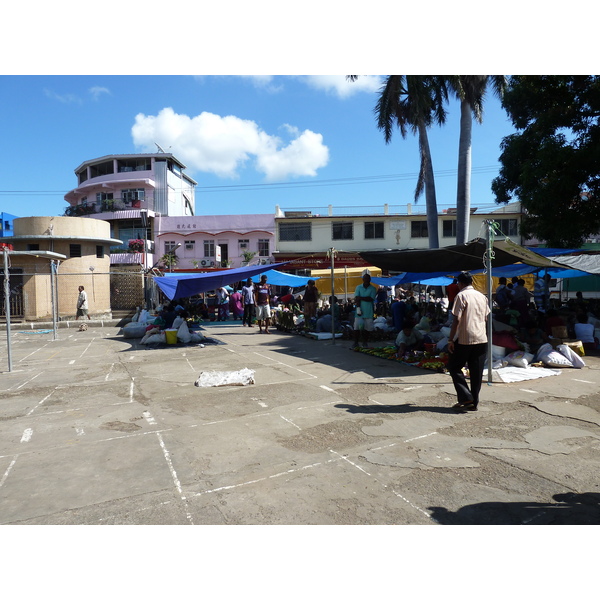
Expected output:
{"points": [[470, 90], [414, 102]]}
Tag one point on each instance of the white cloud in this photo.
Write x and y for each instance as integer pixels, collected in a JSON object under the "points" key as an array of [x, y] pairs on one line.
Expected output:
{"points": [[97, 91], [223, 145], [341, 86], [64, 98]]}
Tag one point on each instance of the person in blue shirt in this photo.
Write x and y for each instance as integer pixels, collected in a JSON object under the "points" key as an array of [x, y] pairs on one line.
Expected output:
{"points": [[364, 298]]}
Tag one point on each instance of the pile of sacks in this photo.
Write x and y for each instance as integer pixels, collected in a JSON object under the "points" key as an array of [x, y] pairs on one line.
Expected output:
{"points": [[560, 357], [142, 326]]}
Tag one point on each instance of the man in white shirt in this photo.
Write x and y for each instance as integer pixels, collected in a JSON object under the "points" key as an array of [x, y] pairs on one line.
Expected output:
{"points": [[82, 304], [468, 342]]}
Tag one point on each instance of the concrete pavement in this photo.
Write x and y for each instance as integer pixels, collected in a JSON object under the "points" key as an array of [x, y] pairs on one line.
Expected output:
{"points": [[98, 429]]}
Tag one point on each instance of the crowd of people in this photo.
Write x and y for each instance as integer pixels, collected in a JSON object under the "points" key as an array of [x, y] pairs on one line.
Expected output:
{"points": [[456, 323]]}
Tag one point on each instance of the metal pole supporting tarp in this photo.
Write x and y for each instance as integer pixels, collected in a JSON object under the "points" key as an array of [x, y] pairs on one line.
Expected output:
{"points": [[7, 308], [332, 251], [488, 265]]}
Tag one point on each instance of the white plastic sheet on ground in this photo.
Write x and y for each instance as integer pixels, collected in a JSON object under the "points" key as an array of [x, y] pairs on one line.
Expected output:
{"points": [[222, 378], [514, 374]]}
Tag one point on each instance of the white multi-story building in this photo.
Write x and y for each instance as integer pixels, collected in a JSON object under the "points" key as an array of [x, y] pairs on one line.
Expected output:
{"points": [[305, 236], [129, 191]]}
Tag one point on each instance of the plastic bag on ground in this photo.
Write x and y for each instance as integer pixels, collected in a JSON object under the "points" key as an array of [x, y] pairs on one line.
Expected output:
{"points": [[222, 378]]}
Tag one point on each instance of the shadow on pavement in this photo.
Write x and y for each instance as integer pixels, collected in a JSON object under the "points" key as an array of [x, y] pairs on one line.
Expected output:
{"points": [[371, 409], [569, 509]]}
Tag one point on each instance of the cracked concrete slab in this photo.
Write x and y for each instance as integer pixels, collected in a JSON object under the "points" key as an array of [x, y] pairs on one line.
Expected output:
{"points": [[547, 439], [568, 409]]}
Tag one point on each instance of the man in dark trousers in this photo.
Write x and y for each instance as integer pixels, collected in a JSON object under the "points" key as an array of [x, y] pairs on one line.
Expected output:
{"points": [[468, 342]]}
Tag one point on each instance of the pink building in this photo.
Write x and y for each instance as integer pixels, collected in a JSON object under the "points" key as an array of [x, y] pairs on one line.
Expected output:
{"points": [[208, 242]]}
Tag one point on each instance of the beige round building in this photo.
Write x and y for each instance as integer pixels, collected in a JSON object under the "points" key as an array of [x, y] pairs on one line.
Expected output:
{"points": [[86, 245]]}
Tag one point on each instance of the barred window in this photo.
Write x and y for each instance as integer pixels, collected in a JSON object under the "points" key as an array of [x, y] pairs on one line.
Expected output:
{"points": [[449, 228], [263, 247], [170, 246], [418, 229], [75, 250], [295, 232], [508, 227], [99, 251], [342, 230], [209, 248], [374, 230]]}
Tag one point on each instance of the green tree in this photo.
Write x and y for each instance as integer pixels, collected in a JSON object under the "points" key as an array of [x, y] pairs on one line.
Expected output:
{"points": [[470, 91], [552, 163], [415, 102]]}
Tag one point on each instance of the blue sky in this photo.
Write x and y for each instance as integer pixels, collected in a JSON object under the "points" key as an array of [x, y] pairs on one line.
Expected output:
{"points": [[298, 141]]}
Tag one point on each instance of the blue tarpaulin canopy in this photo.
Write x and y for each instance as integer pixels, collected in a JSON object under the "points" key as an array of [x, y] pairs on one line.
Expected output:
{"points": [[183, 285]]}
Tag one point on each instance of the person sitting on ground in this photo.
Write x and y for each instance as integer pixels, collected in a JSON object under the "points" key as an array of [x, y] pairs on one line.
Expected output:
{"points": [[553, 319], [584, 332], [533, 336], [410, 338]]}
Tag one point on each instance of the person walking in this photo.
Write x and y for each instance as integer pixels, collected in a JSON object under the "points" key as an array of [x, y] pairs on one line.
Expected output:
{"points": [[262, 298], [248, 303], [468, 342], [82, 304]]}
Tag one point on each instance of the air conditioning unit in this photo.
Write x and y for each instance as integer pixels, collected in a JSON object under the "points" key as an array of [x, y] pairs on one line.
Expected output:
{"points": [[212, 263], [264, 261], [243, 245], [203, 262]]}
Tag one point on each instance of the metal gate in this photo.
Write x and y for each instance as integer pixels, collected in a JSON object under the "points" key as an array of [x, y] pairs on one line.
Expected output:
{"points": [[17, 304]]}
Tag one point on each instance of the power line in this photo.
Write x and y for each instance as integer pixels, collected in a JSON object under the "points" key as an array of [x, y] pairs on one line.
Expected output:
{"points": [[292, 184]]}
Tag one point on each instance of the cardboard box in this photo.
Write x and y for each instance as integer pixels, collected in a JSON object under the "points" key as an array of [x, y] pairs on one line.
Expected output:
{"points": [[575, 345]]}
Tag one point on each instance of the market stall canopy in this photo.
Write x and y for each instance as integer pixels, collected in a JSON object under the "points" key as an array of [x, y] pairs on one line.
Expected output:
{"points": [[453, 259], [440, 278], [176, 286]]}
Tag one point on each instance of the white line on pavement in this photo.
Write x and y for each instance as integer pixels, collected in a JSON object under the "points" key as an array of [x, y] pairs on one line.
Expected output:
{"points": [[174, 476]]}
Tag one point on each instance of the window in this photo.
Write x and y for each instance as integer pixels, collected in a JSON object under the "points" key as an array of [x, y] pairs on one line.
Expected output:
{"points": [[374, 230], [131, 195], [209, 248], [170, 246], [418, 229], [449, 228], [295, 232], [508, 226], [190, 244], [342, 231], [99, 251], [75, 250], [134, 164], [263, 247], [105, 168], [33, 247], [244, 246]]}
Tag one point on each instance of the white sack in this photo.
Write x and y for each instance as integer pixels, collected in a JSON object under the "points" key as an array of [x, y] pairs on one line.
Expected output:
{"points": [[222, 378]]}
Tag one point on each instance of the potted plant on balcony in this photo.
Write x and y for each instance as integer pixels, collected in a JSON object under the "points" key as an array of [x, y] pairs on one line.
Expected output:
{"points": [[247, 256], [136, 245]]}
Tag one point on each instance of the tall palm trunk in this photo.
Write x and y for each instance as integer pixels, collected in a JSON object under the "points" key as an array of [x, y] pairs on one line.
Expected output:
{"points": [[463, 193], [430, 196]]}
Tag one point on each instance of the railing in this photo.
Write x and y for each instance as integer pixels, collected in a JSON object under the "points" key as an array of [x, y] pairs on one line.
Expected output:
{"points": [[389, 209], [81, 210]]}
